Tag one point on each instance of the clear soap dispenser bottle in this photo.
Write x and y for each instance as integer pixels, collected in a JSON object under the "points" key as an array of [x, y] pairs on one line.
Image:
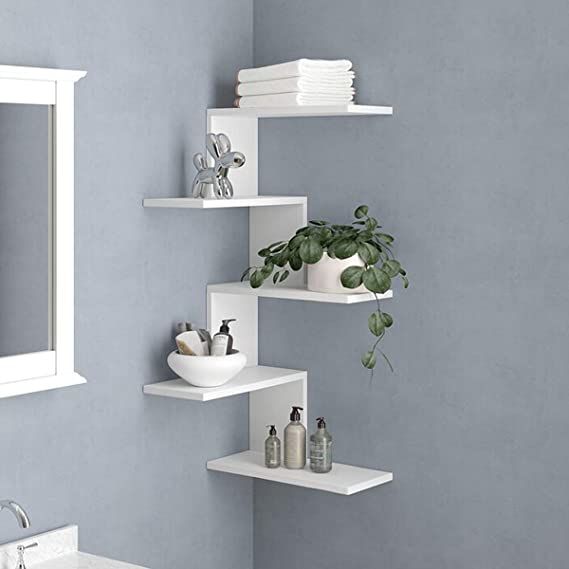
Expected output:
{"points": [[321, 448], [272, 449]]}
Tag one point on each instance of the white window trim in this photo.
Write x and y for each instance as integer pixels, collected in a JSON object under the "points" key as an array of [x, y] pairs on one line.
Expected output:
{"points": [[41, 371]]}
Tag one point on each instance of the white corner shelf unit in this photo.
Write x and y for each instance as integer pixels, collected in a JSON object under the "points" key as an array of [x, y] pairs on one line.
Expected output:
{"points": [[272, 391]]}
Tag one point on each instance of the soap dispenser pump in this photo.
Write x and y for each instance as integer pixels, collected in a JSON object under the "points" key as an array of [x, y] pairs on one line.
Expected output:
{"points": [[222, 343], [295, 441]]}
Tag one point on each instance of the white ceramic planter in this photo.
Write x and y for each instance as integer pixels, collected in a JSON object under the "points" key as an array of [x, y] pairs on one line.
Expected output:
{"points": [[207, 371], [324, 276]]}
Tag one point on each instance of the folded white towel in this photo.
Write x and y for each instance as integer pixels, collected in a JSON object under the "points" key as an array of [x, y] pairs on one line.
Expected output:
{"points": [[292, 100], [296, 85], [294, 69]]}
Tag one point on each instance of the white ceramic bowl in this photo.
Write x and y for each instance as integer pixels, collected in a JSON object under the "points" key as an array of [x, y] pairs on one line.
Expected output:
{"points": [[207, 371]]}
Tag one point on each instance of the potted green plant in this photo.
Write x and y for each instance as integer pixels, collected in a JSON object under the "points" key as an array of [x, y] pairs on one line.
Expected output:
{"points": [[357, 257]]}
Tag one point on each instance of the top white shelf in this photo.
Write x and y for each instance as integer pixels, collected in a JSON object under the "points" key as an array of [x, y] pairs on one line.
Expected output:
{"points": [[305, 111]]}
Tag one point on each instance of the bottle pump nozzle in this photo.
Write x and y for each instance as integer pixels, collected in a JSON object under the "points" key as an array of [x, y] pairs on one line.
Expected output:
{"points": [[295, 415], [272, 430], [225, 325], [321, 421]]}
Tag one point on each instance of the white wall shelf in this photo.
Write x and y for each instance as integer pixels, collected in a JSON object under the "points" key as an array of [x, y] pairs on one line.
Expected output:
{"points": [[305, 111], [237, 201], [295, 293], [271, 391], [252, 378], [343, 479]]}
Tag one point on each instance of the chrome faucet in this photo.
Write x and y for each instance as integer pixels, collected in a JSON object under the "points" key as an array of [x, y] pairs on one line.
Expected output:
{"points": [[18, 511]]}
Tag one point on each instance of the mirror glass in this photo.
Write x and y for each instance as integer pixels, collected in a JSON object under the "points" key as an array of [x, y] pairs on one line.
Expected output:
{"points": [[25, 259]]}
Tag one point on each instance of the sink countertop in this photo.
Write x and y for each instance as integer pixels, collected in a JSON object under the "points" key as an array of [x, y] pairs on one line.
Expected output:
{"points": [[57, 549]]}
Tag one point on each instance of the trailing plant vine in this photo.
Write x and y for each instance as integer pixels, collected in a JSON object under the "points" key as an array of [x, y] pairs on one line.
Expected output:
{"points": [[364, 237]]}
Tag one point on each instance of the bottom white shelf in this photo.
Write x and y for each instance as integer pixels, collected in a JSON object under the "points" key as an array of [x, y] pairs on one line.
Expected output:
{"points": [[343, 479]]}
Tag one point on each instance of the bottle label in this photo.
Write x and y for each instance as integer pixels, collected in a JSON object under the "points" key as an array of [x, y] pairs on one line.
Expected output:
{"points": [[321, 455], [219, 345]]}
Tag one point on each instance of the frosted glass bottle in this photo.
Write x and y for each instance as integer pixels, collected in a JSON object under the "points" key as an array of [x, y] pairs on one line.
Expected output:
{"points": [[295, 441], [272, 449], [321, 449]]}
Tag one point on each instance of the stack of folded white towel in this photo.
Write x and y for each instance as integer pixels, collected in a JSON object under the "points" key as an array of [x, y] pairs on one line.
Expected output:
{"points": [[296, 83]]}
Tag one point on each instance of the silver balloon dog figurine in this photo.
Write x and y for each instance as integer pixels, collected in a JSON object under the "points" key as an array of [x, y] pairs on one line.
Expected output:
{"points": [[219, 147]]}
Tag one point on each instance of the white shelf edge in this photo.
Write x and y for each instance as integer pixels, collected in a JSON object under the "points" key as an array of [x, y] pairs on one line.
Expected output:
{"points": [[252, 378], [304, 111], [343, 479], [40, 73], [237, 201], [37, 384], [295, 293]]}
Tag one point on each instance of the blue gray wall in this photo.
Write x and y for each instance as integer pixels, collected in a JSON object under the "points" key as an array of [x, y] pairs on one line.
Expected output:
{"points": [[129, 469], [471, 176]]}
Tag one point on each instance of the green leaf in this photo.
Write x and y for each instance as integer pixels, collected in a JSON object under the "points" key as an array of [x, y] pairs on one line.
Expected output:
{"points": [[345, 249], [276, 244], [278, 248], [405, 282], [376, 280], [295, 261], [276, 277], [256, 279], [391, 267], [361, 211], [369, 360], [319, 222], [386, 319], [368, 253], [402, 272], [371, 223], [284, 275], [375, 324], [386, 237], [352, 277], [246, 273], [264, 252], [281, 259], [267, 269], [311, 251], [295, 242]]}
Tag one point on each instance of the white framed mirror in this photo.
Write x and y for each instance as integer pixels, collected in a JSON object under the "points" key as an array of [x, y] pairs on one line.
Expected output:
{"points": [[36, 229]]}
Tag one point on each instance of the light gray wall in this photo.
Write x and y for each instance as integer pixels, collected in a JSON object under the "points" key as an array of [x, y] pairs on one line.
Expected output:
{"points": [[130, 469], [471, 176]]}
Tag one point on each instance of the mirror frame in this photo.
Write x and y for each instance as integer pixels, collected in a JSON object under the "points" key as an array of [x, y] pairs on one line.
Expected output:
{"points": [[55, 88]]}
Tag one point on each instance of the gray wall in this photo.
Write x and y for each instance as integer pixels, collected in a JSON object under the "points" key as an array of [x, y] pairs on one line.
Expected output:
{"points": [[130, 469], [471, 175]]}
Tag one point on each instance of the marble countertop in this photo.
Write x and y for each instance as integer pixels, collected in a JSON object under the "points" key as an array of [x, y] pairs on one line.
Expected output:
{"points": [[57, 549]]}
